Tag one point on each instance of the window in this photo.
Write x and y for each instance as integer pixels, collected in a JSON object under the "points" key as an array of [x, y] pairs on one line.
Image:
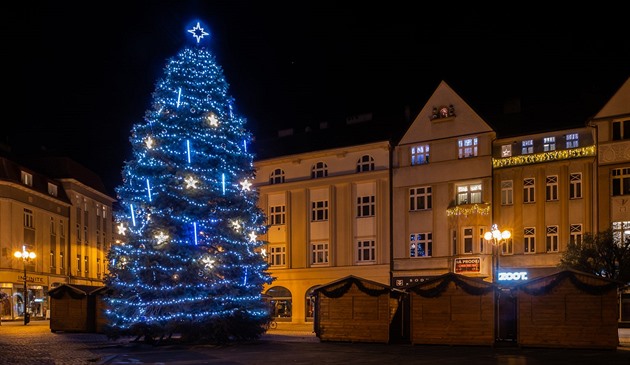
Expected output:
{"points": [[575, 186], [278, 255], [79, 265], [319, 211], [529, 191], [621, 130], [507, 247], [318, 170], [467, 147], [469, 194], [529, 240], [366, 251], [575, 234], [365, 206], [621, 231], [506, 150], [481, 240], [51, 261], [28, 218], [572, 140], [53, 227], [420, 245], [552, 238], [468, 240], [551, 190], [277, 215], [52, 189], [549, 144], [26, 178], [87, 260], [61, 263], [319, 253], [98, 267], [420, 154], [507, 192], [527, 147], [276, 177], [620, 181], [420, 198], [365, 163]]}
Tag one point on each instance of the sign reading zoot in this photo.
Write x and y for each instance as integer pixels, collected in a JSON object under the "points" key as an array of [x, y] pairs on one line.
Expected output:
{"points": [[467, 265], [513, 276]]}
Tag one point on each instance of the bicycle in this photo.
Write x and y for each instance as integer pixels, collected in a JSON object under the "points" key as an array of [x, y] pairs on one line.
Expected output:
{"points": [[271, 325]]}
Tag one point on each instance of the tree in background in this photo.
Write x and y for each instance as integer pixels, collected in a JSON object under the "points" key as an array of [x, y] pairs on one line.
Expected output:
{"points": [[190, 262], [604, 254]]}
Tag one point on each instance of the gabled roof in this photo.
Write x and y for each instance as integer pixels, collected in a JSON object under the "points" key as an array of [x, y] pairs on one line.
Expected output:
{"points": [[619, 103], [76, 291], [338, 288]]}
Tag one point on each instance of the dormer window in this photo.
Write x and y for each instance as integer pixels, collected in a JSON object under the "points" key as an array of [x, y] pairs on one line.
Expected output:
{"points": [[318, 170], [52, 189], [27, 179], [573, 140], [549, 144], [528, 147]]}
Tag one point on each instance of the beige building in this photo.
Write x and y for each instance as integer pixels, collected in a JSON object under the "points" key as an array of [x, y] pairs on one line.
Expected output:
{"points": [[328, 217], [59, 211]]}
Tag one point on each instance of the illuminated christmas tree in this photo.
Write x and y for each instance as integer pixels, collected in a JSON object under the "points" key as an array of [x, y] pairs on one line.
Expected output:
{"points": [[190, 262]]}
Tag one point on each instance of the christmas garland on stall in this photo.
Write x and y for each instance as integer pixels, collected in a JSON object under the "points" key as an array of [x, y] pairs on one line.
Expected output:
{"points": [[339, 291], [443, 285], [587, 288]]}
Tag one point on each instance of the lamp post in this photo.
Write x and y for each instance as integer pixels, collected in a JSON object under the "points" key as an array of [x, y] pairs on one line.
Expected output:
{"points": [[26, 257], [497, 238]]}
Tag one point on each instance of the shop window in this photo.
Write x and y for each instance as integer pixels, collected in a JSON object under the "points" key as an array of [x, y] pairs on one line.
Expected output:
{"points": [[280, 303]]}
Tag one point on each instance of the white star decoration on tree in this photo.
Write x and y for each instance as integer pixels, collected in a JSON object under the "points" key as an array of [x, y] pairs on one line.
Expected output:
{"points": [[149, 142], [246, 185], [191, 183], [236, 225], [121, 229], [161, 238], [198, 32], [263, 252], [212, 119], [252, 237], [208, 262]]}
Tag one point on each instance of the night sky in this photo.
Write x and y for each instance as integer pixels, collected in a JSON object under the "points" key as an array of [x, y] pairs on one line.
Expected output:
{"points": [[77, 75]]}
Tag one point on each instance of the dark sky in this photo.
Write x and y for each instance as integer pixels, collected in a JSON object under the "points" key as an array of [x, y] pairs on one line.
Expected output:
{"points": [[77, 75]]}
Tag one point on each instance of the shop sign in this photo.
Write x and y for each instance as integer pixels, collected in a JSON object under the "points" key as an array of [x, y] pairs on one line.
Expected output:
{"points": [[31, 279], [513, 276], [467, 265]]}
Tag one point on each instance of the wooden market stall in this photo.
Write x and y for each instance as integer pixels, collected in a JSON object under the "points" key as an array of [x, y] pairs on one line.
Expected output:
{"points": [[452, 309], [352, 309], [77, 308], [568, 309]]}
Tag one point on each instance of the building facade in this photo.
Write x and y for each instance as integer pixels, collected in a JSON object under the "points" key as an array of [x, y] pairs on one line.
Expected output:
{"points": [[328, 217], [67, 224]]}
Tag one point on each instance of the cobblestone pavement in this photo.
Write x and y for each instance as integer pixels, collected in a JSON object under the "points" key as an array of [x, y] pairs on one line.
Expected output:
{"points": [[35, 344]]}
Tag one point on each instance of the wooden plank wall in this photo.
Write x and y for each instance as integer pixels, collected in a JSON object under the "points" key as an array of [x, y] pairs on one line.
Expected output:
{"points": [[453, 318], [568, 317], [68, 314], [355, 317]]}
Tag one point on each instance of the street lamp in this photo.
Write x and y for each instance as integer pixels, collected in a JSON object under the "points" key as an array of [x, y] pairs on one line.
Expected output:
{"points": [[497, 238], [26, 257]]}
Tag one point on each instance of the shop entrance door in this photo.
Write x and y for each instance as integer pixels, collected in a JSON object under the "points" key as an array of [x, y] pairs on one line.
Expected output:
{"points": [[506, 316]]}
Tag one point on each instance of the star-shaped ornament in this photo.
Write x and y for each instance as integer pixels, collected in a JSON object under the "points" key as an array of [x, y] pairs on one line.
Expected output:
{"points": [[121, 229], [252, 237], [236, 225], [198, 32], [213, 121], [246, 185], [191, 183], [149, 142], [263, 252], [161, 238]]}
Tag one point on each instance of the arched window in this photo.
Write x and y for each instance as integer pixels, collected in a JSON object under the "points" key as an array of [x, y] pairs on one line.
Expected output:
{"points": [[365, 163], [276, 177], [320, 169], [280, 303]]}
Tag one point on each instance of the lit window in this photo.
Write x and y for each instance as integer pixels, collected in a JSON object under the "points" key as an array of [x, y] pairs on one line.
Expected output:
{"points": [[469, 194], [27, 179], [573, 140], [52, 189], [527, 147], [549, 144], [420, 154], [467, 147], [421, 245]]}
